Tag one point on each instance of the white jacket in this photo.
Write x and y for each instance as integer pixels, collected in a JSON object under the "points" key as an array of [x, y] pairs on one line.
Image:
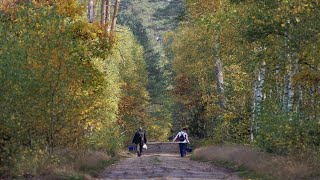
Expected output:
{"points": [[186, 139]]}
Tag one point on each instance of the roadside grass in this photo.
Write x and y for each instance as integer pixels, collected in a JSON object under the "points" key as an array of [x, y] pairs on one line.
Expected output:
{"points": [[241, 170], [251, 163], [63, 164], [85, 165], [97, 168]]}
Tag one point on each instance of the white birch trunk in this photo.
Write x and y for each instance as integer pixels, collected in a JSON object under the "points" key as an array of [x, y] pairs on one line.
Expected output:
{"points": [[91, 10], [285, 96], [312, 93], [253, 118], [108, 14], [258, 97], [219, 72], [290, 90], [287, 79], [294, 67], [299, 89], [259, 91], [278, 82]]}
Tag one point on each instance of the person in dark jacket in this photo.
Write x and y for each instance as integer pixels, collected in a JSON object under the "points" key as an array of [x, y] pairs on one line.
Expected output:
{"points": [[139, 139]]}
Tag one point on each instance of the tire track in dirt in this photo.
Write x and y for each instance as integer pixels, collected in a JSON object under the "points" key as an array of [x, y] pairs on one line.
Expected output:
{"points": [[165, 166]]}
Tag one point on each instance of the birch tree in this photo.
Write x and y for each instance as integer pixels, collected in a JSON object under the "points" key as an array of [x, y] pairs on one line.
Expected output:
{"points": [[258, 97], [219, 72], [91, 10]]}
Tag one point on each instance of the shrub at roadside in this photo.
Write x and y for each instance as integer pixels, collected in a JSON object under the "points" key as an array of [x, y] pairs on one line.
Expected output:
{"points": [[63, 164], [263, 164]]}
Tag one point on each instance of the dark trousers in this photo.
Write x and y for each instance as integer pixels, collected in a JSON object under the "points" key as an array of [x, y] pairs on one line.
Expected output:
{"points": [[183, 149], [139, 148]]}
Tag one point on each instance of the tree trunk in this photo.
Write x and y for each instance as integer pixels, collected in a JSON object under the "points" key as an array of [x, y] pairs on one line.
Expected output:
{"points": [[103, 12], [219, 72], [259, 91], [108, 14], [253, 118], [115, 16], [294, 67], [285, 95], [91, 10], [288, 89], [312, 93], [290, 93], [258, 97], [278, 89], [300, 91]]}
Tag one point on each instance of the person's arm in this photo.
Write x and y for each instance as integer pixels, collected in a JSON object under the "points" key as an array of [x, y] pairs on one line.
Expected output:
{"points": [[134, 138], [145, 137], [187, 138], [174, 139]]}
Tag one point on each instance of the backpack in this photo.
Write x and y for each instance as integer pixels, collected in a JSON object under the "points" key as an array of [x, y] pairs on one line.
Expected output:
{"points": [[181, 137], [140, 137]]}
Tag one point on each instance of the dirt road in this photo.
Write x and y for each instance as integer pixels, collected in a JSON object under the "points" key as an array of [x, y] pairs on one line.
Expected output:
{"points": [[165, 166]]}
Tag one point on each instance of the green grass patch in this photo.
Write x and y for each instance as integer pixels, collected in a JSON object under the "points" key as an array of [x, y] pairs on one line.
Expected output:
{"points": [[73, 177], [85, 171], [242, 171], [99, 167]]}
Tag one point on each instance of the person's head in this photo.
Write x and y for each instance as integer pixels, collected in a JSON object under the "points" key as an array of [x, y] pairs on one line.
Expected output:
{"points": [[140, 129], [185, 129]]}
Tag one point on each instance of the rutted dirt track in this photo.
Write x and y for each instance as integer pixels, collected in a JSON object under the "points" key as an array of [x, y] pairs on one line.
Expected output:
{"points": [[164, 166]]}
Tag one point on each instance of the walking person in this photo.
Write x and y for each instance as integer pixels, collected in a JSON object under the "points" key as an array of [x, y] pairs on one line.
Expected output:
{"points": [[140, 140], [183, 139]]}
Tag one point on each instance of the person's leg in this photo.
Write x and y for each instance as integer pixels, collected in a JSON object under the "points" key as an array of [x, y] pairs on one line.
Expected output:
{"points": [[184, 149], [138, 149], [181, 149]]}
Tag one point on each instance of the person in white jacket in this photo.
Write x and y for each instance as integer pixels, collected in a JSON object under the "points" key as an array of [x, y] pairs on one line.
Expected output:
{"points": [[183, 139]]}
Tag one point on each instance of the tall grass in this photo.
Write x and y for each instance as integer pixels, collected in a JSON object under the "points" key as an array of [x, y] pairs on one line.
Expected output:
{"points": [[294, 166], [63, 164]]}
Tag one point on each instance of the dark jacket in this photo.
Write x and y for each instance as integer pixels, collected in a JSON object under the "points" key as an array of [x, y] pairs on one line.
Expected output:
{"points": [[139, 137]]}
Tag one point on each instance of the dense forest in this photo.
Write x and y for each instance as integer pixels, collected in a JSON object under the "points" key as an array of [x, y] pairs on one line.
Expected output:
{"points": [[248, 72], [66, 83], [149, 22], [84, 75]]}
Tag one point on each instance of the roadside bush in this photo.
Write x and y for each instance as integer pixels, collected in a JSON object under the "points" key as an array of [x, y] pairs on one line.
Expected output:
{"points": [[264, 164], [278, 134]]}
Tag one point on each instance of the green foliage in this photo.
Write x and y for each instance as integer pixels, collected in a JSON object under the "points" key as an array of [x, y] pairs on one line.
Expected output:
{"points": [[278, 135], [235, 131], [26, 160], [279, 36], [193, 51], [149, 20], [64, 83]]}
